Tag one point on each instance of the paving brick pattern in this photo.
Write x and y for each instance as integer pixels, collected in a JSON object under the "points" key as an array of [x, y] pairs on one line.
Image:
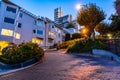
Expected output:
{"points": [[59, 66]]}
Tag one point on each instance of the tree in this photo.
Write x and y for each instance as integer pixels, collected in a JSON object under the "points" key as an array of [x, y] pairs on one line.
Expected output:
{"points": [[70, 25], [115, 24], [90, 16], [76, 36], [117, 6], [67, 37], [85, 32], [102, 28]]}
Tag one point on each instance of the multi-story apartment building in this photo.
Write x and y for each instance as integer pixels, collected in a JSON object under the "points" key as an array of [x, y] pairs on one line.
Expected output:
{"points": [[64, 20], [18, 25], [57, 14]]}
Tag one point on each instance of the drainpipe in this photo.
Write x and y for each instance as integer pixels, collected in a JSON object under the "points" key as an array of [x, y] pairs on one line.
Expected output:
{"points": [[45, 35]]}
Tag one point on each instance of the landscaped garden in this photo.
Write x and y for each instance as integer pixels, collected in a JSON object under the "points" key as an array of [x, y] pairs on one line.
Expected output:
{"points": [[14, 54], [92, 18]]}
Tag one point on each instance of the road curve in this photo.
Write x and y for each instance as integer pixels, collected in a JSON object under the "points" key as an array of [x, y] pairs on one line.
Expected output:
{"points": [[59, 66]]}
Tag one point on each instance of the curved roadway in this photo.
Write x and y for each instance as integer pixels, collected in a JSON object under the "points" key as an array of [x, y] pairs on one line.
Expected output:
{"points": [[59, 66]]}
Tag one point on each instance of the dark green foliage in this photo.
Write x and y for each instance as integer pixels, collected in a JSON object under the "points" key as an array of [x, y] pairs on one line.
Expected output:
{"points": [[89, 16], [76, 36], [70, 25], [16, 54], [76, 47], [86, 46], [115, 25], [67, 37], [102, 28], [67, 44]]}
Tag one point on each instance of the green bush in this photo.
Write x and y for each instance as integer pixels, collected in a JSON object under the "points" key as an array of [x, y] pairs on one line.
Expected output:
{"points": [[76, 36], [16, 54], [76, 47], [86, 46], [67, 37], [67, 44]]}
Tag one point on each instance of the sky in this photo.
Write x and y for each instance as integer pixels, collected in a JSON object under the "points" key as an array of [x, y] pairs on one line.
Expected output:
{"points": [[46, 8]]}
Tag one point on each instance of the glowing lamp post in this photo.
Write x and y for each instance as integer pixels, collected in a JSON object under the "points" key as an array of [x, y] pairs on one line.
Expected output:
{"points": [[78, 6], [109, 36], [84, 31]]}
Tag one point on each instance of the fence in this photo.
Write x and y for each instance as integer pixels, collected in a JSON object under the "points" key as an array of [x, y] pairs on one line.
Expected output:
{"points": [[113, 45]]}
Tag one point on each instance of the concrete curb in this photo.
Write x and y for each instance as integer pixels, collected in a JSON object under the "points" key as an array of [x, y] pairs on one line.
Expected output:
{"points": [[106, 54], [11, 71]]}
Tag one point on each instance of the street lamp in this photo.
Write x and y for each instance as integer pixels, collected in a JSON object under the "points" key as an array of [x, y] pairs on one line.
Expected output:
{"points": [[78, 6]]}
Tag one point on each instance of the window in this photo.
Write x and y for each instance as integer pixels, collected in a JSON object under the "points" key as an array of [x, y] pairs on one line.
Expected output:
{"points": [[36, 40], [19, 25], [40, 32], [34, 31], [50, 40], [59, 35], [9, 20], [7, 32], [20, 15], [52, 34], [35, 22], [52, 26], [17, 35], [39, 23], [10, 9]]}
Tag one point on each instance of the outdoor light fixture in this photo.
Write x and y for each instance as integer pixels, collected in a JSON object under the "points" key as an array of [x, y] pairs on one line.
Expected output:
{"points": [[78, 6], [109, 36]]}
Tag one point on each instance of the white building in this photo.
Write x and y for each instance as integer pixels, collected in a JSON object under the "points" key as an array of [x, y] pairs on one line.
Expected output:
{"points": [[55, 34], [64, 20], [57, 14], [18, 25]]}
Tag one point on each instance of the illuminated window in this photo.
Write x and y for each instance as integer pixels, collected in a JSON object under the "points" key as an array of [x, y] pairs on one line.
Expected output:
{"points": [[7, 32], [17, 35], [52, 34], [36, 40], [33, 40], [3, 44]]}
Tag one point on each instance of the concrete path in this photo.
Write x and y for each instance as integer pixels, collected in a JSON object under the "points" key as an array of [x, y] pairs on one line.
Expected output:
{"points": [[59, 66]]}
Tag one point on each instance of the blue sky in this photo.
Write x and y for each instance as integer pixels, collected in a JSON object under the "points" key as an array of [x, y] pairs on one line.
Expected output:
{"points": [[46, 7]]}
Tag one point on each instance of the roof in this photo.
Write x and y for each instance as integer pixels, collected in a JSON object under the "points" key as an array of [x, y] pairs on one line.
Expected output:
{"points": [[9, 2], [23, 10]]}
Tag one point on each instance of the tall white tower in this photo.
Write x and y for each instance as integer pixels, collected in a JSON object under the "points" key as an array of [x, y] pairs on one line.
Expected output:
{"points": [[57, 14]]}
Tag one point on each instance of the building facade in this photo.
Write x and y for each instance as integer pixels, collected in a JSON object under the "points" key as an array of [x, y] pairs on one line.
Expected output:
{"points": [[18, 25], [57, 14], [64, 20]]}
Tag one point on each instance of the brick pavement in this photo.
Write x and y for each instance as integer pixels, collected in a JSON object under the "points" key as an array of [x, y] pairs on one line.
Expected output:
{"points": [[59, 66]]}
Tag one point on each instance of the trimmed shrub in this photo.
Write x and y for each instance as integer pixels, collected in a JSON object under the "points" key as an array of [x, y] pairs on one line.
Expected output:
{"points": [[86, 46], [67, 37], [16, 54], [76, 36], [67, 44]]}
